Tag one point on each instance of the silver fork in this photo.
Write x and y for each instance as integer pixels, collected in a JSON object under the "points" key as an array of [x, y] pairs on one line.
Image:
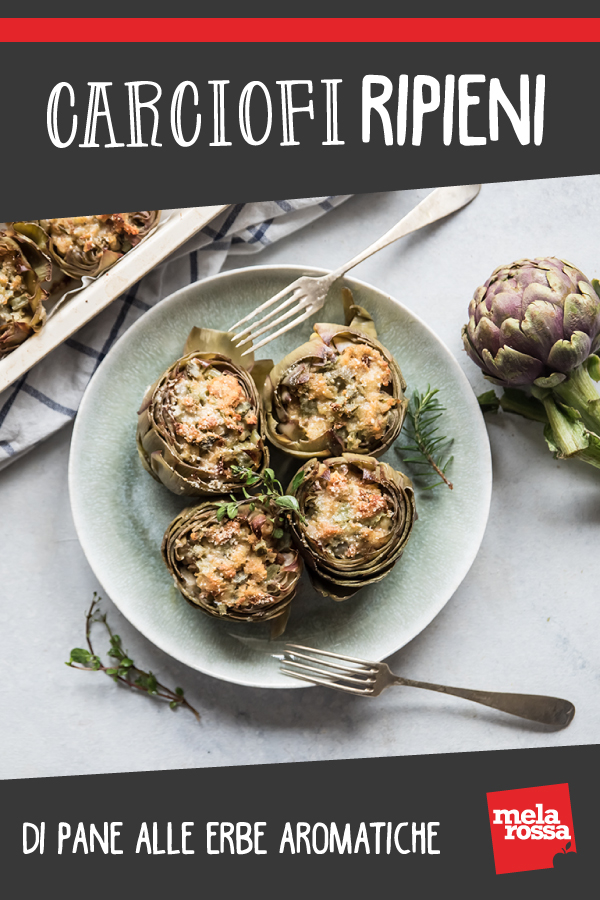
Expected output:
{"points": [[308, 293], [369, 679]]}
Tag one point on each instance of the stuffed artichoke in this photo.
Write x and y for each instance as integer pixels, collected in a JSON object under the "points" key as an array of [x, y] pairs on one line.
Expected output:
{"points": [[234, 561], [355, 517], [341, 391], [202, 419], [24, 265], [88, 245]]}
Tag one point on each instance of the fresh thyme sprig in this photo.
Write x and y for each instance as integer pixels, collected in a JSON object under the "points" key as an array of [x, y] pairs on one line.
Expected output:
{"points": [[431, 447], [266, 489], [124, 669]]}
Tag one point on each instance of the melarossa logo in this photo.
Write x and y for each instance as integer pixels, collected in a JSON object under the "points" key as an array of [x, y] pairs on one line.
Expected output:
{"points": [[530, 827], [545, 826]]}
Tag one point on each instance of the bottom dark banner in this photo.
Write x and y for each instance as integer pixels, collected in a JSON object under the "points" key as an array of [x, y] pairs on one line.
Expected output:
{"points": [[523, 822]]}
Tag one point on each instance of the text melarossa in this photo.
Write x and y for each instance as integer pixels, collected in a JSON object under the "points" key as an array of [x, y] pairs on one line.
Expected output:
{"points": [[392, 112]]}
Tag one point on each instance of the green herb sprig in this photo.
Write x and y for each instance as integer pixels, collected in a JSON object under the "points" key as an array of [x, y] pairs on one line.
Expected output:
{"points": [[422, 431], [123, 670], [266, 489]]}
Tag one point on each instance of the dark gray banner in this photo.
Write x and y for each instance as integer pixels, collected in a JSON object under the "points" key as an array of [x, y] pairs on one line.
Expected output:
{"points": [[355, 828], [121, 126]]}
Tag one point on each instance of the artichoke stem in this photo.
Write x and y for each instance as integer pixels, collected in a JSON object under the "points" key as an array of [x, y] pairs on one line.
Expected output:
{"points": [[570, 437], [579, 392], [591, 456], [519, 403], [568, 434]]}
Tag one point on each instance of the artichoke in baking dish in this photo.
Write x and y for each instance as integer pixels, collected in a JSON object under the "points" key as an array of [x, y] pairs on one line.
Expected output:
{"points": [[24, 265], [355, 518], [203, 419], [234, 561], [341, 391], [88, 245]]}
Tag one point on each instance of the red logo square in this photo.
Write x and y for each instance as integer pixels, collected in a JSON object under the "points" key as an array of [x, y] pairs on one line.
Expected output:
{"points": [[532, 828]]}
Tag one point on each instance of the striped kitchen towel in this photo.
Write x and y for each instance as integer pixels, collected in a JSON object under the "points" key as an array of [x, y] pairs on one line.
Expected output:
{"points": [[48, 396]]}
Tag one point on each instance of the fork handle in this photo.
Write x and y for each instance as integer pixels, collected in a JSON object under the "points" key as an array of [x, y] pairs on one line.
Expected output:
{"points": [[436, 205], [549, 710]]}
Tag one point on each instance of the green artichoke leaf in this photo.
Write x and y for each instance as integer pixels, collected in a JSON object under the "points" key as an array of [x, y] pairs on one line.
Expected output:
{"points": [[357, 318], [296, 481], [488, 402], [569, 354], [551, 381], [570, 412], [33, 231], [511, 366], [260, 371], [549, 438], [591, 455], [279, 623], [146, 398], [593, 366], [594, 408], [40, 259], [163, 473], [208, 340], [108, 259]]}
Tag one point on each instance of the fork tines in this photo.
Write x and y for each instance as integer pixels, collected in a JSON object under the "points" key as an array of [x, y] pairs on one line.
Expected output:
{"points": [[330, 669], [241, 335], [254, 330], [299, 300]]}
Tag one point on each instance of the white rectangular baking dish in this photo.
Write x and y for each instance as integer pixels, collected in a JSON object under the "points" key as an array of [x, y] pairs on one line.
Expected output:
{"points": [[172, 231]]}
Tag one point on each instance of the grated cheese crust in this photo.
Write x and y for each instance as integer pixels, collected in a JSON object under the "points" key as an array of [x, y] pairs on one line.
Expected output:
{"points": [[235, 563], [84, 233], [345, 395], [212, 419], [347, 516]]}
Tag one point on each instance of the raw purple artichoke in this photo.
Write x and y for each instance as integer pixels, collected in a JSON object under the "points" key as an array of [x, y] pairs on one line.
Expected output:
{"points": [[535, 325], [534, 319]]}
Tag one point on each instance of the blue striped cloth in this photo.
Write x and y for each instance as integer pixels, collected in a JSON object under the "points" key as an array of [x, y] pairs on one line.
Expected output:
{"points": [[48, 396]]}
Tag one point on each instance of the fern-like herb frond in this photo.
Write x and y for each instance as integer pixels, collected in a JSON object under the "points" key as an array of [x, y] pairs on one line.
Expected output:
{"points": [[422, 433]]}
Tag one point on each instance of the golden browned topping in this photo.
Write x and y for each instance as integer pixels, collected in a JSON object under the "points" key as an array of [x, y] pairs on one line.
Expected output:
{"points": [[347, 515], [345, 395], [235, 563], [212, 419], [104, 232]]}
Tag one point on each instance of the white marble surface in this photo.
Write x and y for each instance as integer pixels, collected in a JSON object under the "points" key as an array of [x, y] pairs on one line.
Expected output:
{"points": [[525, 618]]}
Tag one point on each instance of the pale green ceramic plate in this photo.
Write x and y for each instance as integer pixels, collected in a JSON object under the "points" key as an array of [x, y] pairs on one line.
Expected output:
{"points": [[121, 513]]}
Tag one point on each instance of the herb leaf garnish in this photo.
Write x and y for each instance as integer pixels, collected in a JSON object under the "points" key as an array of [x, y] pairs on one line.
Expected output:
{"points": [[264, 488], [123, 670]]}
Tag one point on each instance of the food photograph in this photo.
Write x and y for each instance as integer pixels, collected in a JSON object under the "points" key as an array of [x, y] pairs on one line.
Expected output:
{"points": [[261, 461]]}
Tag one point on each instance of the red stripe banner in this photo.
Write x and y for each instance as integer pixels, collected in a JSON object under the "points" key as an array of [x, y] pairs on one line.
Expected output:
{"points": [[290, 30]]}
